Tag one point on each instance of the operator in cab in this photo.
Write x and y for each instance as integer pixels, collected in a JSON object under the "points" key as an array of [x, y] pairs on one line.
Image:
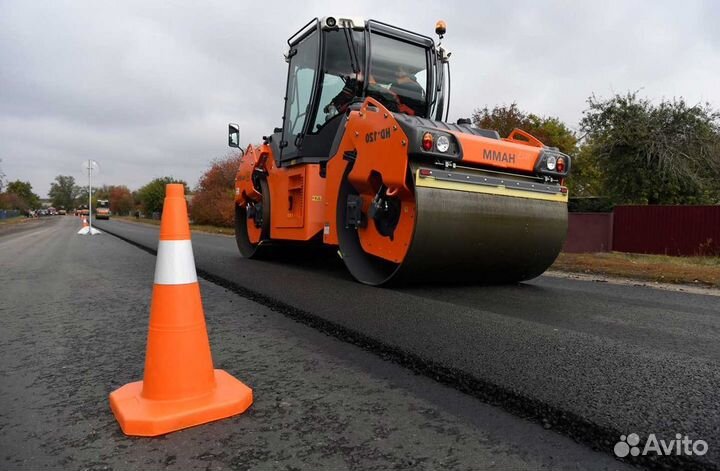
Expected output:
{"points": [[400, 93]]}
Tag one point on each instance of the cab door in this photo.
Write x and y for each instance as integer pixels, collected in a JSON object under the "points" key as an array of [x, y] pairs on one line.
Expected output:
{"points": [[300, 94]]}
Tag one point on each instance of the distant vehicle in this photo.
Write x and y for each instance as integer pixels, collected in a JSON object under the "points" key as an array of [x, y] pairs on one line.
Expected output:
{"points": [[82, 210], [62, 212], [102, 210]]}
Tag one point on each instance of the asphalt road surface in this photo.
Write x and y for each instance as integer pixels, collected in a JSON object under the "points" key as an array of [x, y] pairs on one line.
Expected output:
{"points": [[74, 313], [593, 361]]}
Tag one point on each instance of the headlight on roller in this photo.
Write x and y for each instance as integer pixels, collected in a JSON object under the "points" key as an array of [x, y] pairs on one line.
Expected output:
{"points": [[550, 163], [432, 143], [442, 144]]}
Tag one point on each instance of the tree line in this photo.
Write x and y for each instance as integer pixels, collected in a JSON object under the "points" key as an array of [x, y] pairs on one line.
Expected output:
{"points": [[17, 194], [64, 193], [629, 150]]}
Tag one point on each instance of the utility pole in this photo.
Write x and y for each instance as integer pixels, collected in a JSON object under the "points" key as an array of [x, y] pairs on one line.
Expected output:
{"points": [[90, 169], [91, 166]]}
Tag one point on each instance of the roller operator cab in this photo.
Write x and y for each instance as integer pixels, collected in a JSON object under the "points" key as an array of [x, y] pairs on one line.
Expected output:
{"points": [[366, 161]]}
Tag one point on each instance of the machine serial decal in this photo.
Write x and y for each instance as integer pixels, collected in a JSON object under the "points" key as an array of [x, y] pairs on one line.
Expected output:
{"points": [[373, 136]]}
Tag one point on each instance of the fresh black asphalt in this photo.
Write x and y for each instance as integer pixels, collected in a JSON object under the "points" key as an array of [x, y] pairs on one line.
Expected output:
{"points": [[74, 314], [591, 360]]}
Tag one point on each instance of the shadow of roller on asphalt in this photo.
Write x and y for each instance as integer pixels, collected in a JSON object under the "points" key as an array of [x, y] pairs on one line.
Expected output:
{"points": [[326, 261]]}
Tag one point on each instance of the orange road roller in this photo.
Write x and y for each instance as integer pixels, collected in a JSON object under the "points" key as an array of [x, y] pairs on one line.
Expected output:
{"points": [[367, 162]]}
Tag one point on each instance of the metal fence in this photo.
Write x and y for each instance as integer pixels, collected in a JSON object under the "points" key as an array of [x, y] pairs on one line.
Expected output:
{"points": [[664, 230], [589, 232], [668, 230], [9, 213]]}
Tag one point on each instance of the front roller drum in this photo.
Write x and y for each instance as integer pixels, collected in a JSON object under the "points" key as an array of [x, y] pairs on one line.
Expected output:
{"points": [[252, 225], [479, 237], [463, 237]]}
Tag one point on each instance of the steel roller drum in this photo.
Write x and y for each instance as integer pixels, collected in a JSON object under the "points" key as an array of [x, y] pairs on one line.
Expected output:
{"points": [[463, 236], [472, 237]]}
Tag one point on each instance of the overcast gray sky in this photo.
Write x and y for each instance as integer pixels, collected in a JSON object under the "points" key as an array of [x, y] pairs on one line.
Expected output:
{"points": [[147, 88]]}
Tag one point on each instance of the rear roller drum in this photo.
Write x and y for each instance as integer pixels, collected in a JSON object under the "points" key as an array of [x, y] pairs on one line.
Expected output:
{"points": [[252, 225]]}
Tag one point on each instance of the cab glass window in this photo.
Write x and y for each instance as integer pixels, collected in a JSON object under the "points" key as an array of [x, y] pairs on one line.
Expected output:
{"points": [[398, 75], [300, 84], [340, 85]]}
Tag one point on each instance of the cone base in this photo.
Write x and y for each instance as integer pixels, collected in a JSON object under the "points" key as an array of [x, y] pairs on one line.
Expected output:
{"points": [[147, 418], [86, 230]]}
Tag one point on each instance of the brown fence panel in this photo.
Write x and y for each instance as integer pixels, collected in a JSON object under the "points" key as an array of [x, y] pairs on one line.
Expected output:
{"points": [[589, 232], [670, 230]]}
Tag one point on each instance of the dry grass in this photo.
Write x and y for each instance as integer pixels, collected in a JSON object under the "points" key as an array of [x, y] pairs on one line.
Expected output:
{"points": [[15, 220], [662, 268]]}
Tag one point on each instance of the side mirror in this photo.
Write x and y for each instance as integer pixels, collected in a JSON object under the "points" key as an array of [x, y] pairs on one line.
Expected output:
{"points": [[233, 135]]}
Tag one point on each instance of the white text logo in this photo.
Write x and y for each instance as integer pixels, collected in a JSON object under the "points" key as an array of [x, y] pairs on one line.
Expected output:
{"points": [[681, 445]]}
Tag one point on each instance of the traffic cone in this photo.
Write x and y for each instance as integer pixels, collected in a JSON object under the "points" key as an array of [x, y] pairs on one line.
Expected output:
{"points": [[86, 229], [180, 388]]}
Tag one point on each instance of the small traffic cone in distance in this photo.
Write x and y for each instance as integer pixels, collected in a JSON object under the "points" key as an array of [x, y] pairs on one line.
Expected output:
{"points": [[180, 388], [85, 230]]}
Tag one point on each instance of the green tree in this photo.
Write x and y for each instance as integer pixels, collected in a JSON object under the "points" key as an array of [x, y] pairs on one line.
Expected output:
{"points": [[63, 191], [152, 195], [101, 193], [667, 153], [23, 190], [81, 196], [586, 179], [550, 130]]}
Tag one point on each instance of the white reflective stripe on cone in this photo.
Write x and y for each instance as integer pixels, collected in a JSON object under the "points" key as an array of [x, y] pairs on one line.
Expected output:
{"points": [[175, 264]]}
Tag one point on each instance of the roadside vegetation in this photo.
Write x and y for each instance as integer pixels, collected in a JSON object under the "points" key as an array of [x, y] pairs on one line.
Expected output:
{"points": [[213, 202], [149, 199], [702, 271], [13, 220], [629, 149], [19, 196]]}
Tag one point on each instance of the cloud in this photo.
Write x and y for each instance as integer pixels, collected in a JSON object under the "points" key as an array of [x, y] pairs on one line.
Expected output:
{"points": [[147, 88]]}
